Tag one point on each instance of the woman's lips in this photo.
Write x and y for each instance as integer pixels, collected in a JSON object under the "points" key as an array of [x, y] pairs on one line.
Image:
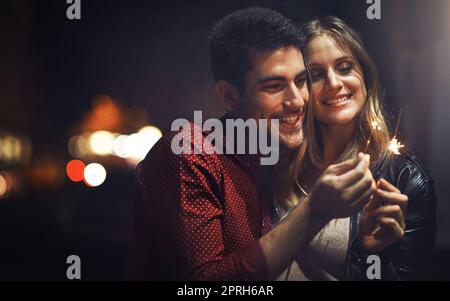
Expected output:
{"points": [[337, 101]]}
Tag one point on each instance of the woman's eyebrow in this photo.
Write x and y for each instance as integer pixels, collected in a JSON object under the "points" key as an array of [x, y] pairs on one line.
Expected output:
{"points": [[336, 61], [344, 58]]}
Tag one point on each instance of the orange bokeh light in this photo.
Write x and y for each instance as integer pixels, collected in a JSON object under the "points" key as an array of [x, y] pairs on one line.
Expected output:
{"points": [[75, 170], [105, 115]]}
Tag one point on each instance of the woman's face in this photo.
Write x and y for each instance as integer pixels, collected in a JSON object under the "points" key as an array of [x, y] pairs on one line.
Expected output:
{"points": [[338, 91]]}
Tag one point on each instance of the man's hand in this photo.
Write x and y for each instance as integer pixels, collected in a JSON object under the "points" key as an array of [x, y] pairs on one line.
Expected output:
{"points": [[381, 226], [343, 189]]}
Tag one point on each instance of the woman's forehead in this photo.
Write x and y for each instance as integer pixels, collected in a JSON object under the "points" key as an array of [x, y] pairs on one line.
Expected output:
{"points": [[327, 45]]}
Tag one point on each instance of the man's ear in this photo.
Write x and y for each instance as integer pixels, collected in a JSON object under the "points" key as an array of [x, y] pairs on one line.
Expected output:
{"points": [[228, 94]]}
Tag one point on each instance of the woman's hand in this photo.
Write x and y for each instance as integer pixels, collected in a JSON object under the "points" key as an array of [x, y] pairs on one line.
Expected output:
{"points": [[383, 218]]}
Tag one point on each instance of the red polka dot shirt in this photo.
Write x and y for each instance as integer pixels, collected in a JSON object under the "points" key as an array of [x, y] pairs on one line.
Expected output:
{"points": [[198, 216]]}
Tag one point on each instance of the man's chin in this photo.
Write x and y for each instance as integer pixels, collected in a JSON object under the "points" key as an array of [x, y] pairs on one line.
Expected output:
{"points": [[291, 142]]}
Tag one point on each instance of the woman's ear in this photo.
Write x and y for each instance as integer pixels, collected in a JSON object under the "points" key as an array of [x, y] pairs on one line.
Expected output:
{"points": [[228, 94]]}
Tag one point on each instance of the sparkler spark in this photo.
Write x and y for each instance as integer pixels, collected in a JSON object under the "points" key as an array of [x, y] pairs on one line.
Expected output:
{"points": [[375, 126], [394, 146]]}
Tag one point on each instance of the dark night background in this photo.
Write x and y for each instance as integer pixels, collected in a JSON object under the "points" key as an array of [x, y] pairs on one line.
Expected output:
{"points": [[153, 55]]}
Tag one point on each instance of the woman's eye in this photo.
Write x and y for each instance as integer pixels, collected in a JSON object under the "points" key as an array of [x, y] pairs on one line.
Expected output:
{"points": [[345, 68]]}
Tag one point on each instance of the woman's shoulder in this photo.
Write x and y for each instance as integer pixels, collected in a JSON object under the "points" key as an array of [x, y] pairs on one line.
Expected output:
{"points": [[406, 172], [409, 162]]}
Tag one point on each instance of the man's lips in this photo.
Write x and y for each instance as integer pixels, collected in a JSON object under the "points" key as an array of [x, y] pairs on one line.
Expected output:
{"points": [[337, 101], [291, 121]]}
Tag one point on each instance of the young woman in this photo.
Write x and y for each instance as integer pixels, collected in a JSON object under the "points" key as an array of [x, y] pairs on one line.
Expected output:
{"points": [[398, 223]]}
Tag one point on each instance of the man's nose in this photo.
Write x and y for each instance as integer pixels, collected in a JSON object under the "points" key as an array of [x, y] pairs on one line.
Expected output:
{"points": [[294, 98]]}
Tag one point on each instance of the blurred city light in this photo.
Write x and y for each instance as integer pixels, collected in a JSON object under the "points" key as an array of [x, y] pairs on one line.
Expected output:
{"points": [[119, 146], [78, 146], [101, 143], [10, 149], [134, 147], [102, 106], [152, 132], [94, 174], [138, 145], [3, 186], [102, 127], [46, 171], [75, 170], [105, 115]]}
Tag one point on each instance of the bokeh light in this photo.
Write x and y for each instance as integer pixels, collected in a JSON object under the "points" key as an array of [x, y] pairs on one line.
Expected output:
{"points": [[78, 146], [139, 144], [75, 170], [152, 132], [94, 174], [10, 149], [101, 143], [119, 146], [3, 186], [105, 115]]}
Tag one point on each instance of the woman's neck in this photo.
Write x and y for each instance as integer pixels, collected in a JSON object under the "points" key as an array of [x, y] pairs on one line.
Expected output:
{"points": [[335, 138]]}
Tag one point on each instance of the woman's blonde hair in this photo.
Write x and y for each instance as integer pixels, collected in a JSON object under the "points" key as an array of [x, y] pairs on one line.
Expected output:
{"points": [[288, 174]]}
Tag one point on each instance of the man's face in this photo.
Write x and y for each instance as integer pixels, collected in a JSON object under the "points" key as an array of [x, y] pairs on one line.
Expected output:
{"points": [[275, 88]]}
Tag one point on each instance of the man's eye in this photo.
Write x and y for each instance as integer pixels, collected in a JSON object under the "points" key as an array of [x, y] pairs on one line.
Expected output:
{"points": [[273, 88], [316, 75], [300, 81]]}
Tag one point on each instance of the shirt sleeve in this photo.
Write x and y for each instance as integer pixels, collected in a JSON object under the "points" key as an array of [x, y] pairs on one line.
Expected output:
{"points": [[177, 213]]}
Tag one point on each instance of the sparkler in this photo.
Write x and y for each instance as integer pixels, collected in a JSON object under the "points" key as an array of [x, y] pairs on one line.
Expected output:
{"points": [[394, 145]]}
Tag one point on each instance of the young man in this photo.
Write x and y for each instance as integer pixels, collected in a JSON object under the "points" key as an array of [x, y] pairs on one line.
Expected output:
{"points": [[208, 216]]}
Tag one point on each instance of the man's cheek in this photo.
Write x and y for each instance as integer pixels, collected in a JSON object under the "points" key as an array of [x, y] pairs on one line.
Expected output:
{"points": [[305, 96]]}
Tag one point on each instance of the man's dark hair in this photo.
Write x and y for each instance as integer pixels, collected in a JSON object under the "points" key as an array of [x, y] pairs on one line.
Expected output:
{"points": [[238, 35]]}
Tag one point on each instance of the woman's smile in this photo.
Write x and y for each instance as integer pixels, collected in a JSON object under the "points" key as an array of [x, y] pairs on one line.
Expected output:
{"points": [[337, 101]]}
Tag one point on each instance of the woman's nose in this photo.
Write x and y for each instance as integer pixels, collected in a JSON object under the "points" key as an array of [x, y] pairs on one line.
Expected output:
{"points": [[334, 81]]}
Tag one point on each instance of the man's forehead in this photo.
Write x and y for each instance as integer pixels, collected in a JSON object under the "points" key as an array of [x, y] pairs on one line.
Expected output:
{"points": [[277, 62]]}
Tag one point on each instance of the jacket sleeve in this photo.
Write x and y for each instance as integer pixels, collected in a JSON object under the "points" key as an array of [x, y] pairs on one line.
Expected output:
{"points": [[410, 258]]}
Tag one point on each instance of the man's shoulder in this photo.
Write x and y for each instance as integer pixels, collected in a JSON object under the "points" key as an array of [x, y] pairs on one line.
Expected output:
{"points": [[189, 146]]}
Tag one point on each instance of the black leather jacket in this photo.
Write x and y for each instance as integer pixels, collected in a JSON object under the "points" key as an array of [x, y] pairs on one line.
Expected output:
{"points": [[409, 258]]}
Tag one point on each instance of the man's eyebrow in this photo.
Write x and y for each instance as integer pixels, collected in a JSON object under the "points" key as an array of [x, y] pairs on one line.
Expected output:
{"points": [[270, 78], [279, 78], [302, 73]]}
